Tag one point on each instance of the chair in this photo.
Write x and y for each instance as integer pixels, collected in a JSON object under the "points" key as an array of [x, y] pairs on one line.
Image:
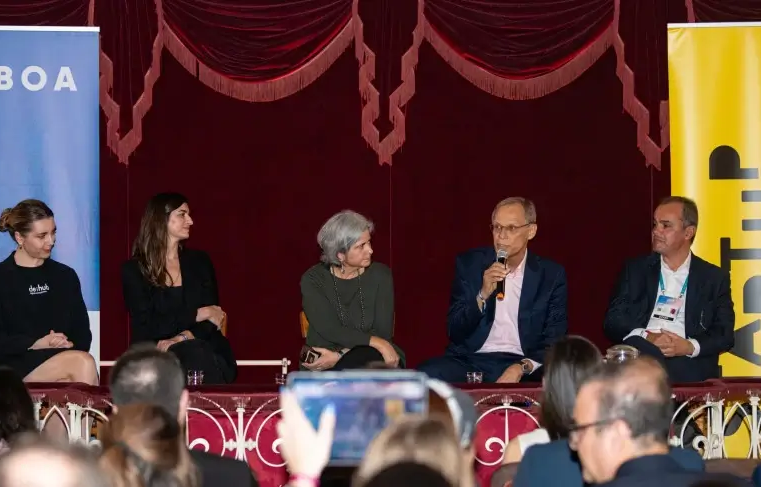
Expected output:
{"points": [[304, 324], [223, 325]]}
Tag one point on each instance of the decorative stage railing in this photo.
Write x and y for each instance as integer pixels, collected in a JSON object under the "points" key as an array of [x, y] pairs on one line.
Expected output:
{"points": [[719, 419]]}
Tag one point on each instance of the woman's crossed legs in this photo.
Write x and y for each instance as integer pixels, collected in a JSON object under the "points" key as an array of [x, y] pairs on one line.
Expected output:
{"points": [[67, 366]]}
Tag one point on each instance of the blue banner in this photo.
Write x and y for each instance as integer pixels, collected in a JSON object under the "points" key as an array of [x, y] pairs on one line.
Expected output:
{"points": [[49, 142]]}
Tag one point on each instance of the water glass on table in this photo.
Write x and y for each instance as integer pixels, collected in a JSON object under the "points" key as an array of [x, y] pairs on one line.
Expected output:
{"points": [[475, 377], [195, 377]]}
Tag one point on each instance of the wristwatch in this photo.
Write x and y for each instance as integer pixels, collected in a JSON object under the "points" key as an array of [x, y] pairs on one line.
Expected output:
{"points": [[526, 366]]}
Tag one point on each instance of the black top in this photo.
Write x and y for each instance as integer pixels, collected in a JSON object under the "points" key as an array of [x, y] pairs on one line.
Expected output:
{"points": [[159, 313], [321, 294], [222, 471], [35, 300]]}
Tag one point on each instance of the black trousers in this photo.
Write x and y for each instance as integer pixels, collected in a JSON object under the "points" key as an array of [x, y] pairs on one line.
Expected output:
{"points": [[358, 358], [679, 369], [199, 355], [454, 368]]}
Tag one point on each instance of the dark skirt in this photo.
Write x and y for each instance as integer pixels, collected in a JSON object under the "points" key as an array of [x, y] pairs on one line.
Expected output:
{"points": [[25, 363], [358, 358], [218, 368]]}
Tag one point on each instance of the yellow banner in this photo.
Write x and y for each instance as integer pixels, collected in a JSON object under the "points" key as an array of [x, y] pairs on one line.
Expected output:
{"points": [[715, 124]]}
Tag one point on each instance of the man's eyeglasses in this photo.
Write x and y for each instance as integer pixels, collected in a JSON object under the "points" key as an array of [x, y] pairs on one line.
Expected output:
{"points": [[510, 229], [574, 429]]}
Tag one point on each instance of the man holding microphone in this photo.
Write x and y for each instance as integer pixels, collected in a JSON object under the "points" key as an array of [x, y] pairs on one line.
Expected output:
{"points": [[507, 306]]}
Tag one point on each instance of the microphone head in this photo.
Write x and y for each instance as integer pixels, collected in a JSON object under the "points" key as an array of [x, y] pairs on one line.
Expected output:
{"points": [[501, 255]]}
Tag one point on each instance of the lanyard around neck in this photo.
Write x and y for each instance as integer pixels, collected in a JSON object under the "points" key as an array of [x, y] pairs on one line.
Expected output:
{"points": [[663, 286]]}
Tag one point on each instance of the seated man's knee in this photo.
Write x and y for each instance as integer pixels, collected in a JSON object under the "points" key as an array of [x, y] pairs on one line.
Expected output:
{"points": [[441, 368]]}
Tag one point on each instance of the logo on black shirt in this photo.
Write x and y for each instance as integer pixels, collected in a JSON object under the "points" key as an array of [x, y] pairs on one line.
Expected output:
{"points": [[34, 290]]}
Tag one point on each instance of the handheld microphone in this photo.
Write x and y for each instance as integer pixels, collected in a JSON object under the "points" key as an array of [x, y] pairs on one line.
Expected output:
{"points": [[502, 259]]}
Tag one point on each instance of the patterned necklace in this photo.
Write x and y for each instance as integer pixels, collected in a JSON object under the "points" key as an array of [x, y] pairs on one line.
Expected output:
{"points": [[338, 299]]}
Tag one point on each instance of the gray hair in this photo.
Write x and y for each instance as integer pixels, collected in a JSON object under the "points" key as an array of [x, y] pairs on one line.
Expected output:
{"points": [[528, 207], [339, 233]]}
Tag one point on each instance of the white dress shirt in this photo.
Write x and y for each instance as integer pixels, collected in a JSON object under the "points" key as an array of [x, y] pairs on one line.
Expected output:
{"points": [[673, 282], [504, 335]]}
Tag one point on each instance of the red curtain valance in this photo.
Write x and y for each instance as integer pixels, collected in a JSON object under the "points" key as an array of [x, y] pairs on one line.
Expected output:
{"points": [[519, 40], [263, 50]]}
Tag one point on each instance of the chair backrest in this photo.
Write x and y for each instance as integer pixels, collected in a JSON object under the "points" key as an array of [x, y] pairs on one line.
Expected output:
{"points": [[223, 325], [304, 324]]}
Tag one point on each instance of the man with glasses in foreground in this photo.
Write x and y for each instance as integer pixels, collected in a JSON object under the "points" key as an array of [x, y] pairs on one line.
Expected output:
{"points": [[504, 313], [622, 420]]}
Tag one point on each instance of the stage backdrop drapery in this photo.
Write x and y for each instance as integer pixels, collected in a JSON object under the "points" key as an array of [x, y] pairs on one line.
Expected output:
{"points": [[263, 172], [261, 51]]}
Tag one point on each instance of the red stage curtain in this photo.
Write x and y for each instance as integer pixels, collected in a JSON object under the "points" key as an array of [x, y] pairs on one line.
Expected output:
{"points": [[519, 39], [256, 42], [260, 51], [262, 177], [46, 12]]}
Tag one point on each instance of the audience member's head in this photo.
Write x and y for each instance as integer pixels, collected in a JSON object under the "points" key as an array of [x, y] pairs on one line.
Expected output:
{"points": [[408, 474], [454, 407], [36, 462], [16, 407], [569, 363], [623, 411], [143, 446], [146, 375], [427, 441]]}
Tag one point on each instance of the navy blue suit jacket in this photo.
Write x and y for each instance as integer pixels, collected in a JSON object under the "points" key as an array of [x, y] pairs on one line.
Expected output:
{"points": [[709, 311], [566, 469], [542, 316], [757, 476]]}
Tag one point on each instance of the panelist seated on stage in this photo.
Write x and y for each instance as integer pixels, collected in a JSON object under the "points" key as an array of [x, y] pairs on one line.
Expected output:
{"points": [[671, 304], [44, 327], [349, 299], [505, 339], [171, 292]]}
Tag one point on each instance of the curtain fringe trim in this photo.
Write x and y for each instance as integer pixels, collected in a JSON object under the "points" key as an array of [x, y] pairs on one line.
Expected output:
{"points": [[295, 81]]}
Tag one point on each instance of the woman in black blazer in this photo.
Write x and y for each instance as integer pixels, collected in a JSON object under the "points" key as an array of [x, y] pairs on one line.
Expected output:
{"points": [[171, 292]]}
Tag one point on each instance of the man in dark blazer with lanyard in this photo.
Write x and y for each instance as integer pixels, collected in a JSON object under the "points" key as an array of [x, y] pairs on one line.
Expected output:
{"points": [[671, 304], [505, 339]]}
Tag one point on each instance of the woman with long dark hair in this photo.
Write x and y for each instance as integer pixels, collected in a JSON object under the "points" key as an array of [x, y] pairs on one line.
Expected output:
{"points": [[143, 446], [171, 292], [569, 362]]}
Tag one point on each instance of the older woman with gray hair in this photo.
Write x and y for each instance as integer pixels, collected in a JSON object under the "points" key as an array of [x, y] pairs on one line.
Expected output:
{"points": [[349, 299]]}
